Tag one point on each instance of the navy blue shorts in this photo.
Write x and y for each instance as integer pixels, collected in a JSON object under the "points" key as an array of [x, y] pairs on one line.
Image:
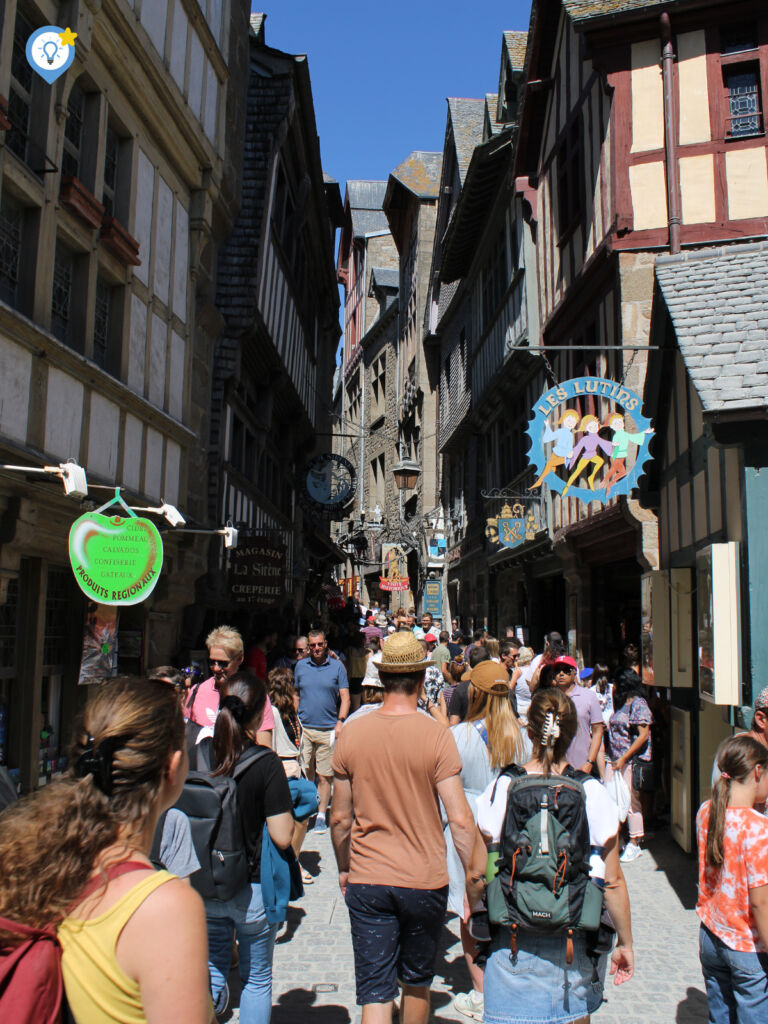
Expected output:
{"points": [[395, 936]]}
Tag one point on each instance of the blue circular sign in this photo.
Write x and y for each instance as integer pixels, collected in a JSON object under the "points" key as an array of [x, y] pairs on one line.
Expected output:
{"points": [[581, 451]]}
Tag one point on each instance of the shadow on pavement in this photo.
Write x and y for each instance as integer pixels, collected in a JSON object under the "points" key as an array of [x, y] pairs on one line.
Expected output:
{"points": [[310, 861], [293, 919], [680, 868], [694, 1008], [296, 1006]]}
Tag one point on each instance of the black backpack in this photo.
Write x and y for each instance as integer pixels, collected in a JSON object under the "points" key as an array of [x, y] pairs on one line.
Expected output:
{"points": [[210, 803], [542, 878]]}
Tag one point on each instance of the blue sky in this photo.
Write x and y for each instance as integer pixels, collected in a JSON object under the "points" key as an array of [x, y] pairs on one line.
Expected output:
{"points": [[381, 72]]}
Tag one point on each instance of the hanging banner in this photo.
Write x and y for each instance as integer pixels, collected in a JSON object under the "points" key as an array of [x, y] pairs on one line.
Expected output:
{"points": [[589, 439], [98, 661], [116, 560], [512, 526], [257, 572], [433, 599], [394, 567]]}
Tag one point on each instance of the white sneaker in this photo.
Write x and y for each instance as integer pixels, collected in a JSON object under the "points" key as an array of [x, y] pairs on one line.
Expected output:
{"points": [[470, 1004], [631, 852]]}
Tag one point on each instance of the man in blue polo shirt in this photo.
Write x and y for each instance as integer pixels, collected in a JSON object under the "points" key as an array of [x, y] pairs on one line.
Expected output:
{"points": [[323, 689]]}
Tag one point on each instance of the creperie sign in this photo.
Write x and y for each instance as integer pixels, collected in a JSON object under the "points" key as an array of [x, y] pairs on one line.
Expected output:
{"points": [[257, 573]]}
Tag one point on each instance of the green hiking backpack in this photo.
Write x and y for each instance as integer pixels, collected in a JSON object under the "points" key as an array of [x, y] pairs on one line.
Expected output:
{"points": [[542, 880]]}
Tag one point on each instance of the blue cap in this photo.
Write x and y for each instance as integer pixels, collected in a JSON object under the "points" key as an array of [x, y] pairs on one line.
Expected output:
{"points": [[585, 673]]}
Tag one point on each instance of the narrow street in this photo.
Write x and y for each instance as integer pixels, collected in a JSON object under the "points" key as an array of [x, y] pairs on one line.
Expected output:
{"points": [[314, 979]]}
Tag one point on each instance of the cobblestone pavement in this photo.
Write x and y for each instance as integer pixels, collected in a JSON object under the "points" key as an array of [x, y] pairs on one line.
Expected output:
{"points": [[314, 979]]}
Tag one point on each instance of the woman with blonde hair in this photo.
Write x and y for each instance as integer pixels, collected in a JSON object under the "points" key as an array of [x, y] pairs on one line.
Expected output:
{"points": [[540, 975], [488, 739], [75, 855]]}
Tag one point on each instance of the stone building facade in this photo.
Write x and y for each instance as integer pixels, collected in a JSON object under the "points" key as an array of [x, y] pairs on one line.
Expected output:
{"points": [[117, 184], [278, 302], [366, 432]]}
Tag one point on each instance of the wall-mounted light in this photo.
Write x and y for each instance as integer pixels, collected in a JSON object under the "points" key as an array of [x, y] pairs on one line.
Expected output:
{"points": [[72, 475], [406, 473]]}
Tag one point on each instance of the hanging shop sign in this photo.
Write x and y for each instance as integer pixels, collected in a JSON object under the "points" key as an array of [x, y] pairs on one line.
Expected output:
{"points": [[589, 439], [257, 572], [328, 483], [512, 526], [394, 564], [116, 559], [433, 599]]}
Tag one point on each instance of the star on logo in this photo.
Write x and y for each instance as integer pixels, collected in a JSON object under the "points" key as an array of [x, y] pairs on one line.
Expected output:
{"points": [[68, 37]]}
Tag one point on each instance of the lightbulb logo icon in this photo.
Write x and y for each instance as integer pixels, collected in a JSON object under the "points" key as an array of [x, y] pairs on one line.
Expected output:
{"points": [[50, 51]]}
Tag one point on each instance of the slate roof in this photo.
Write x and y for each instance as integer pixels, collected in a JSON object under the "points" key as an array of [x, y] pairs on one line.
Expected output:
{"points": [[385, 277], [491, 107], [718, 302], [467, 122], [420, 173], [365, 200], [517, 43], [585, 10]]}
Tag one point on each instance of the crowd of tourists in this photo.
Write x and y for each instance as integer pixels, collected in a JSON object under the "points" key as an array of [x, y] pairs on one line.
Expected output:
{"points": [[458, 775]]}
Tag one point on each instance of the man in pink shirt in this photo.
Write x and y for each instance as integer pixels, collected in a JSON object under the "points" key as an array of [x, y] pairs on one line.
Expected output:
{"points": [[225, 656]]}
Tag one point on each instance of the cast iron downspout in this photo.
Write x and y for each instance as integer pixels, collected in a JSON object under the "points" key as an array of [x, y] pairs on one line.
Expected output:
{"points": [[670, 147]]}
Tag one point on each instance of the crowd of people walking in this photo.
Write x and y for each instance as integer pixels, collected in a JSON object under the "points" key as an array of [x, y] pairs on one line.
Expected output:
{"points": [[458, 775]]}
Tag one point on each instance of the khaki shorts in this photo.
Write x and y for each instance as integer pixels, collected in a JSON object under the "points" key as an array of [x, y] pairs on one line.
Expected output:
{"points": [[316, 746]]}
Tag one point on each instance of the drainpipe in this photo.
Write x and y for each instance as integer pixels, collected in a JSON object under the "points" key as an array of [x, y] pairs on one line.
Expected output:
{"points": [[670, 145]]}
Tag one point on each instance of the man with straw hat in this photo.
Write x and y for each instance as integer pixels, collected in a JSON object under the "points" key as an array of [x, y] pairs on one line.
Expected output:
{"points": [[390, 766]]}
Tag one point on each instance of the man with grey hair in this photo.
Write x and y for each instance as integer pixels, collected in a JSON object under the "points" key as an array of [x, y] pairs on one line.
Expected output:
{"points": [[323, 689]]}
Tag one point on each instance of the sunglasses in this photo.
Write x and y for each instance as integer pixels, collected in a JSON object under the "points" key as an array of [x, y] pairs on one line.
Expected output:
{"points": [[300, 650], [219, 664], [318, 645]]}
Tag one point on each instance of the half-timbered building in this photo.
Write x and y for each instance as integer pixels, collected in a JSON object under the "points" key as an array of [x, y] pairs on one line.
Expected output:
{"points": [[278, 298], [117, 185]]}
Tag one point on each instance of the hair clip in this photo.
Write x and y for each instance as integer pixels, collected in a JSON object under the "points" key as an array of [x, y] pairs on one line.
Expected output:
{"points": [[96, 761], [235, 706], [726, 776], [551, 730]]}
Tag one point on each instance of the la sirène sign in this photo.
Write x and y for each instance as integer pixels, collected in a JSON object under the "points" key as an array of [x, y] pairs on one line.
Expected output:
{"points": [[116, 560]]}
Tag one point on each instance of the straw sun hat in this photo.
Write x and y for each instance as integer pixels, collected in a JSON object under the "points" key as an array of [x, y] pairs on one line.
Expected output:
{"points": [[402, 652]]}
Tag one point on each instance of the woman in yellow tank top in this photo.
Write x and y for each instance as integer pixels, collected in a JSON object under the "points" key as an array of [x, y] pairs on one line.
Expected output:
{"points": [[133, 939]]}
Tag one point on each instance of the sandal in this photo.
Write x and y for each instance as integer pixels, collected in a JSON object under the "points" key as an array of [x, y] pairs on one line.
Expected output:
{"points": [[306, 877]]}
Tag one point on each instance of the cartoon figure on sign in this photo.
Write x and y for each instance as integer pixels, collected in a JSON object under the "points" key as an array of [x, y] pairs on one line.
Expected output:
{"points": [[563, 438], [621, 442], [587, 448], [589, 404]]}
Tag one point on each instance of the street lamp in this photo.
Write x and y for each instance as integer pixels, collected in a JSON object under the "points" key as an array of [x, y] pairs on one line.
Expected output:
{"points": [[406, 473]]}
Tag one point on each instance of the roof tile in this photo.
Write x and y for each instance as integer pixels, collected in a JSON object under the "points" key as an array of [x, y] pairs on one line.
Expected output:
{"points": [[726, 361]]}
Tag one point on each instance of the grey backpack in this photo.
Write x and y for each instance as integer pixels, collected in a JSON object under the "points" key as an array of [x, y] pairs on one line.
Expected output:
{"points": [[210, 803]]}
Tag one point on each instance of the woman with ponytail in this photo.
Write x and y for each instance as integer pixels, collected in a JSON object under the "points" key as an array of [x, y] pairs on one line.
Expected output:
{"points": [[733, 885], [488, 739], [74, 855], [263, 797], [544, 980]]}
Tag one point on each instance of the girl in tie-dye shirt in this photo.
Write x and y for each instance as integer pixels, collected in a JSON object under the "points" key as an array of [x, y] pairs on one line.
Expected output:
{"points": [[733, 885]]}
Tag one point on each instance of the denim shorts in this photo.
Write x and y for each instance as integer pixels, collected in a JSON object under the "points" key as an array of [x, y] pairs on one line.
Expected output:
{"points": [[395, 936], [736, 982], [538, 986]]}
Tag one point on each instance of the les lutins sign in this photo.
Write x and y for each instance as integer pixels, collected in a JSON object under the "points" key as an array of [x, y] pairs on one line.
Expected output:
{"points": [[116, 559]]}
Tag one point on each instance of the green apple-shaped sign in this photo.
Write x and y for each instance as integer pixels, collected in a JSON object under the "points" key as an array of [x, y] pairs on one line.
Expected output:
{"points": [[115, 560]]}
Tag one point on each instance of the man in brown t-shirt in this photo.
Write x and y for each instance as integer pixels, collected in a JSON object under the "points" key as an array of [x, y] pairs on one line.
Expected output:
{"points": [[390, 767]]}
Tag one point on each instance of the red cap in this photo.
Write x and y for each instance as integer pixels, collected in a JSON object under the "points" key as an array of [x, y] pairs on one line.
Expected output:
{"points": [[431, 638], [566, 659], [371, 618]]}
